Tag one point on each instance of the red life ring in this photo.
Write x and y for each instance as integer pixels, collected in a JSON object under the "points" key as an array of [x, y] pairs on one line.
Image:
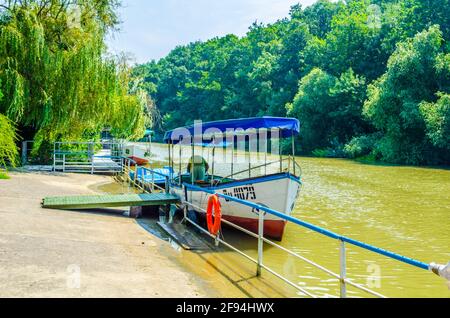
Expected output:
{"points": [[213, 202]]}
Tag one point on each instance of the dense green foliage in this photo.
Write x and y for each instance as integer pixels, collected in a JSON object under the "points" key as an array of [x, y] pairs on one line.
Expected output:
{"points": [[329, 108], [404, 105], [366, 78], [8, 149], [57, 82]]}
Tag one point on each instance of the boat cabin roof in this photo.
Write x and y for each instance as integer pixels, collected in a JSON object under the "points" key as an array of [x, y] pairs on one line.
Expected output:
{"points": [[287, 127]]}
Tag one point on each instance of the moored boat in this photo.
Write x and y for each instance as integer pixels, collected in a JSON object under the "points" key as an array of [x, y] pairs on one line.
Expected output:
{"points": [[274, 184], [140, 153]]}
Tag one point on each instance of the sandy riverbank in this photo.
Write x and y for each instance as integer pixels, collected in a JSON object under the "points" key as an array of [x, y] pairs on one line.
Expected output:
{"points": [[42, 251]]}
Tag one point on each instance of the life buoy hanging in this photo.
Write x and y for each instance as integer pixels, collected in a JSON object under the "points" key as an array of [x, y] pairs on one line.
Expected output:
{"points": [[214, 203]]}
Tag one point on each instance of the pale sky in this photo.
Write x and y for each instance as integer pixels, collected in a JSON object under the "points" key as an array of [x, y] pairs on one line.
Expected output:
{"points": [[150, 29]]}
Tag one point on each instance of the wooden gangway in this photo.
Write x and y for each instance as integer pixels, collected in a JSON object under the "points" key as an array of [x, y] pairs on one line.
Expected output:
{"points": [[87, 202]]}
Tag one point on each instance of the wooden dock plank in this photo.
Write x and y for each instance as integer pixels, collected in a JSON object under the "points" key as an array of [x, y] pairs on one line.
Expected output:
{"points": [[108, 201]]}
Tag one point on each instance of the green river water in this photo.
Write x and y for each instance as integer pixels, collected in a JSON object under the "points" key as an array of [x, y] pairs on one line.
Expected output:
{"points": [[402, 209]]}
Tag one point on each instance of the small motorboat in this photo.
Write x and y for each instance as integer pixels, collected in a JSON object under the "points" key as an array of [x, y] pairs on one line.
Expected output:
{"points": [[273, 184], [140, 153], [155, 176]]}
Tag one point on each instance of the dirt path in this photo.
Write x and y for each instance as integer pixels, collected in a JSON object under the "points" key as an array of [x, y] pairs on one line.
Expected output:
{"points": [[47, 253]]}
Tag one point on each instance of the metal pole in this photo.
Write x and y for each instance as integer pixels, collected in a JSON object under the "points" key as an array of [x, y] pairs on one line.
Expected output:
{"points": [[192, 161], [24, 153], [167, 185], [232, 158], [64, 162], [289, 163], [153, 181], [180, 172], [54, 157], [213, 161], [265, 156], [209, 153], [293, 151], [260, 242], [170, 154], [281, 155], [128, 172], [92, 165], [343, 269], [173, 160], [249, 159]]}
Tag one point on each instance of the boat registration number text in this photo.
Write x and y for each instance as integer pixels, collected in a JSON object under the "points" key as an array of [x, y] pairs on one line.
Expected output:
{"points": [[242, 193]]}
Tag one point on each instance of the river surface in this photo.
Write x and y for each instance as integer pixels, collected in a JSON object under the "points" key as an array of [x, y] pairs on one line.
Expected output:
{"points": [[402, 209]]}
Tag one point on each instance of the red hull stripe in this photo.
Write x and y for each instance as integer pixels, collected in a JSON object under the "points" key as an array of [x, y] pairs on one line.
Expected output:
{"points": [[272, 228], [139, 161]]}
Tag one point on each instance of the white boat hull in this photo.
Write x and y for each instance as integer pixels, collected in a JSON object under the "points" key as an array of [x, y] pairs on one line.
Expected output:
{"points": [[278, 192], [137, 153]]}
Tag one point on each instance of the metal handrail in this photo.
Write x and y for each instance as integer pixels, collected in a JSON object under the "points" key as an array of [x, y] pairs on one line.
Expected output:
{"points": [[86, 143], [342, 239], [152, 183], [123, 161], [218, 239], [152, 171]]}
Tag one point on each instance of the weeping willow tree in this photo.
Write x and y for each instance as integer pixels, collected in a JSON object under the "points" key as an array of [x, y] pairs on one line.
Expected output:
{"points": [[58, 83], [8, 150]]}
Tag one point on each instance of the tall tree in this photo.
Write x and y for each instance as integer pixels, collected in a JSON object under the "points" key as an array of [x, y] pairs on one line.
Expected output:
{"points": [[329, 109], [340, 47], [57, 81], [409, 90]]}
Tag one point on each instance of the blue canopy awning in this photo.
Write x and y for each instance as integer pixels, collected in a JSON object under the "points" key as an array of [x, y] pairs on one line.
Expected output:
{"points": [[287, 127]]}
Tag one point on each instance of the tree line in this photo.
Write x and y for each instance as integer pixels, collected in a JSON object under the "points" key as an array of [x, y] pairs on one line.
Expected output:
{"points": [[57, 81], [367, 79]]}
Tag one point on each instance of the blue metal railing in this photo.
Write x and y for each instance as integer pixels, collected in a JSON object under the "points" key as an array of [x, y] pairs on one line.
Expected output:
{"points": [[151, 171], [141, 172], [317, 229], [440, 270]]}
